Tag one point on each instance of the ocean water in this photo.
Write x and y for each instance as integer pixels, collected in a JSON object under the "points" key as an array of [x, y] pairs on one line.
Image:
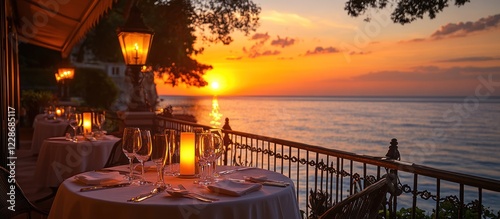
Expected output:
{"points": [[451, 133]]}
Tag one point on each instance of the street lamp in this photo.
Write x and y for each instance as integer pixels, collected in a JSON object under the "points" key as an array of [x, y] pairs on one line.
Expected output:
{"points": [[65, 72], [135, 41]]}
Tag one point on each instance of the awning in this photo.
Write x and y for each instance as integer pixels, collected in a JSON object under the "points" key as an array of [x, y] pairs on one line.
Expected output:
{"points": [[57, 24]]}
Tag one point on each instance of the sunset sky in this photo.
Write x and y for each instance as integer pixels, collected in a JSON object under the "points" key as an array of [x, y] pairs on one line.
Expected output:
{"points": [[315, 48]]}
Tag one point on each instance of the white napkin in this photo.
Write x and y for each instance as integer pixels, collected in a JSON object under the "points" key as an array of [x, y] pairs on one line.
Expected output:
{"points": [[99, 178], [232, 188]]}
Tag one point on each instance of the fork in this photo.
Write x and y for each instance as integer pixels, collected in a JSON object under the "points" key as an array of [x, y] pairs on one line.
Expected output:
{"points": [[196, 194]]}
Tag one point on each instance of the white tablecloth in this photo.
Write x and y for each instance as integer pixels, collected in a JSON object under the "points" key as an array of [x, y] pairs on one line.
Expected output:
{"points": [[269, 202], [60, 159], [43, 129]]}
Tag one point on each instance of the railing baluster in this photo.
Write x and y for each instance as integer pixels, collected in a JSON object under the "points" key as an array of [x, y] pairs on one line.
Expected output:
{"points": [[351, 164], [438, 196], [337, 181], [480, 202], [461, 207], [415, 189]]}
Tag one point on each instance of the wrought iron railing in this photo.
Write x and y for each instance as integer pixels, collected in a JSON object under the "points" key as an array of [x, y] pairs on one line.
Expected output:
{"points": [[323, 177]]}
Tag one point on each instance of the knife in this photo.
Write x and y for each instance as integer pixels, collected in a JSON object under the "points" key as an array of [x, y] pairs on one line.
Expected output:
{"points": [[267, 182], [93, 188], [234, 170], [263, 182]]}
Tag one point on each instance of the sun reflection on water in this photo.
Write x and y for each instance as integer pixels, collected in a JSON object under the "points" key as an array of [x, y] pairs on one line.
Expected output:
{"points": [[215, 115]]}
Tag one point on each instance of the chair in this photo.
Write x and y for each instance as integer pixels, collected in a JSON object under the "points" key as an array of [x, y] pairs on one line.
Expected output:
{"points": [[362, 205], [117, 157], [22, 204]]}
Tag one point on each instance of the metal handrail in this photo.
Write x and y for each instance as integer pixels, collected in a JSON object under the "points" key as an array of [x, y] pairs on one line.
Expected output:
{"points": [[330, 168]]}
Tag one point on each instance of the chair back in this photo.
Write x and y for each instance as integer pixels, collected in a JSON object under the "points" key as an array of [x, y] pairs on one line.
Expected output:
{"points": [[10, 190], [116, 157], [362, 205]]}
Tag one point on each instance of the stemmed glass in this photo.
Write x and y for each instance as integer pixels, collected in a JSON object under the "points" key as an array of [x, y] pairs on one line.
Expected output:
{"points": [[74, 120], [173, 150], [218, 148], [144, 152], [99, 119], [206, 156], [159, 155], [130, 145]]}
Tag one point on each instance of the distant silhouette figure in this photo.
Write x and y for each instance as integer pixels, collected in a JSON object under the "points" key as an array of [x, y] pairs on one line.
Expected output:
{"points": [[393, 152]]}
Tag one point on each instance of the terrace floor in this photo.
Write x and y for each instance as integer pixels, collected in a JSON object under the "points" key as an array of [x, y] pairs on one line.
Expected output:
{"points": [[25, 170]]}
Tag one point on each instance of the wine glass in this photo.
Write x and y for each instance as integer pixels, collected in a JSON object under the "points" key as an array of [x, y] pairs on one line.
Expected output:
{"points": [[75, 120], [130, 144], [206, 152], [218, 148], [159, 155], [173, 151], [144, 152], [99, 119]]}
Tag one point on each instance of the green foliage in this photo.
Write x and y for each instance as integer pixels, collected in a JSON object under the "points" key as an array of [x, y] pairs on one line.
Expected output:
{"points": [[406, 213], [31, 99], [448, 209], [95, 87], [34, 102]]}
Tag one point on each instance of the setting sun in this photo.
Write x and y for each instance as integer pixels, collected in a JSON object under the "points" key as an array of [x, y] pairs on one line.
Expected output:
{"points": [[215, 85]]}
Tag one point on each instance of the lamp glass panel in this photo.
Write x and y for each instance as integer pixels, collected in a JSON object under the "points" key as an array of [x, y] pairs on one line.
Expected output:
{"points": [[135, 47]]}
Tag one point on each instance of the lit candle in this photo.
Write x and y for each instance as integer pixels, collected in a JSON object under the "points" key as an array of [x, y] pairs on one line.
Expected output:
{"points": [[187, 162], [87, 122]]}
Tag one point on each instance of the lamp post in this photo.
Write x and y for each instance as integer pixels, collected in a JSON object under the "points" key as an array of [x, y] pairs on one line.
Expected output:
{"points": [[135, 40], [65, 72]]}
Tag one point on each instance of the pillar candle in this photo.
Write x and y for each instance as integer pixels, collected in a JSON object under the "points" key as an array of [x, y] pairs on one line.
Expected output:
{"points": [[187, 161], [87, 122]]}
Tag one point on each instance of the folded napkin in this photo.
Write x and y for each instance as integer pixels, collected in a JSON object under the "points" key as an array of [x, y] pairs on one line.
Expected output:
{"points": [[99, 178], [232, 188]]}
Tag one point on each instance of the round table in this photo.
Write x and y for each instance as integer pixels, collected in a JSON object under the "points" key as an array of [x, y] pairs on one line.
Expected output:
{"points": [[60, 158], [268, 202], [43, 129]]}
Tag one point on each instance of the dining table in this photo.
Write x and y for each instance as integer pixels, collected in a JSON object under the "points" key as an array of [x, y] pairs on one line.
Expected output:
{"points": [[77, 200], [61, 158], [44, 128]]}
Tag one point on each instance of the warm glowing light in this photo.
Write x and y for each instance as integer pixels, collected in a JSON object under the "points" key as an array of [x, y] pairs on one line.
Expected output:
{"points": [[215, 114], [215, 85], [87, 122], [187, 152]]}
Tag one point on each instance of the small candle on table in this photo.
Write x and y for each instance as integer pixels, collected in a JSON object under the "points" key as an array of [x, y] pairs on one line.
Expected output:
{"points": [[187, 152], [58, 112], [87, 122]]}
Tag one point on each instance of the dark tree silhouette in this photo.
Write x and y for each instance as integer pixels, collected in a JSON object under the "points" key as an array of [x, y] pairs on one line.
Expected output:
{"points": [[177, 24], [405, 11]]}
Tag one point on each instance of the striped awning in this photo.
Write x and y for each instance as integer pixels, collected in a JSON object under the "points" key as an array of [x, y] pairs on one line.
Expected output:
{"points": [[57, 24]]}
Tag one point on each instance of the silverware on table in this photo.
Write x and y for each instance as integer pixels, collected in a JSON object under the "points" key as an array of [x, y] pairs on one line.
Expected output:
{"points": [[93, 188], [186, 194], [182, 188], [224, 172], [266, 182], [143, 197]]}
